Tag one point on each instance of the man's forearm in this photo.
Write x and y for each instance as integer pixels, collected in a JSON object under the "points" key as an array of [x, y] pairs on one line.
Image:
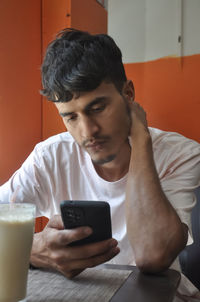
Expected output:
{"points": [[155, 230]]}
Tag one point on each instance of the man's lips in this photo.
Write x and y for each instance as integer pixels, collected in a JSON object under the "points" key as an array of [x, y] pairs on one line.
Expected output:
{"points": [[95, 144]]}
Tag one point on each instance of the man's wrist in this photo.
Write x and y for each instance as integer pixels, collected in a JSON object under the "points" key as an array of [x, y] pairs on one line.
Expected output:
{"points": [[31, 266], [140, 136]]}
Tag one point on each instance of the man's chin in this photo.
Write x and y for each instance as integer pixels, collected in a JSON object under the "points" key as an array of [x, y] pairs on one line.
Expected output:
{"points": [[102, 161]]}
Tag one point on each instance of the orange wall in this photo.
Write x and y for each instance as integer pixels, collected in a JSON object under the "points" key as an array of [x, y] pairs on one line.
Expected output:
{"points": [[88, 15], [168, 89], [20, 102], [54, 18], [26, 27]]}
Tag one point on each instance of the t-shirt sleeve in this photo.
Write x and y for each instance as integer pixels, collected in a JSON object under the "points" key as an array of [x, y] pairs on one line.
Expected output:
{"points": [[30, 183], [178, 165]]}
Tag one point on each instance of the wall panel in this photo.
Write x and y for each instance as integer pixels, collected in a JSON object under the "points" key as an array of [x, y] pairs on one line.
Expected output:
{"points": [[20, 101]]}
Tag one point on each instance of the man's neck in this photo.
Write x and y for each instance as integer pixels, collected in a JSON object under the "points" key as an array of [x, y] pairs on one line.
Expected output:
{"points": [[117, 168]]}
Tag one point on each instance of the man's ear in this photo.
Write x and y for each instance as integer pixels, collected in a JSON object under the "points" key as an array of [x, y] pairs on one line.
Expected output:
{"points": [[129, 91]]}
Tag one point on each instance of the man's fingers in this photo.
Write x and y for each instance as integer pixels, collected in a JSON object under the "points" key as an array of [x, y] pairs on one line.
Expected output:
{"points": [[94, 261], [91, 250], [81, 264], [84, 256], [62, 238]]}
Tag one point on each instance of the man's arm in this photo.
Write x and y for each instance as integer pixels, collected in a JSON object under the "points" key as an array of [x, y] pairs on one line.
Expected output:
{"points": [[155, 231], [51, 249]]}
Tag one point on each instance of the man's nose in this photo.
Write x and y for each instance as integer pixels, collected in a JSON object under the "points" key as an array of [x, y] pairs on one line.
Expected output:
{"points": [[89, 127]]}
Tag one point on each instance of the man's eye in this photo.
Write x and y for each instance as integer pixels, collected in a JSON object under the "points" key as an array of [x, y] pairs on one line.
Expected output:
{"points": [[71, 119], [98, 109]]}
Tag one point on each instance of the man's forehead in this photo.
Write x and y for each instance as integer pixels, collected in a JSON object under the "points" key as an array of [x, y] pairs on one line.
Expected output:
{"points": [[102, 88]]}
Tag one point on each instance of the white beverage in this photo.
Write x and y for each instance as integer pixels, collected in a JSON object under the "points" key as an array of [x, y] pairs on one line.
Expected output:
{"points": [[16, 235]]}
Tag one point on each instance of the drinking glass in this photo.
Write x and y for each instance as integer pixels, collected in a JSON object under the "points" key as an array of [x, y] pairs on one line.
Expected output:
{"points": [[17, 222]]}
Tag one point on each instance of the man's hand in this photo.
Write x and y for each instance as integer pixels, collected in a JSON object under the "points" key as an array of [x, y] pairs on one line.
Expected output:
{"points": [[51, 249], [138, 120]]}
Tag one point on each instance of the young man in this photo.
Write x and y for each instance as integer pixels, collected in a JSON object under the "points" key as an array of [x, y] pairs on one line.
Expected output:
{"points": [[109, 153]]}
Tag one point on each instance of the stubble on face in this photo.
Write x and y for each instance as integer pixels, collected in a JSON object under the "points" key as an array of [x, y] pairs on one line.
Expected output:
{"points": [[102, 161], [101, 140]]}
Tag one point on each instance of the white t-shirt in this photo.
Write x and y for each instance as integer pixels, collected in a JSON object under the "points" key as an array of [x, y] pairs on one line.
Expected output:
{"points": [[58, 169]]}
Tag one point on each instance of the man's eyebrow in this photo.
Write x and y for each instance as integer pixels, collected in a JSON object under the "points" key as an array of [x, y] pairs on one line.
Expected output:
{"points": [[92, 103], [96, 101], [63, 114]]}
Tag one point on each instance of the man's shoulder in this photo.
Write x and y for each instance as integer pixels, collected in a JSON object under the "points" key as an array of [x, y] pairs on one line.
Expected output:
{"points": [[173, 145], [57, 142], [170, 138], [60, 137]]}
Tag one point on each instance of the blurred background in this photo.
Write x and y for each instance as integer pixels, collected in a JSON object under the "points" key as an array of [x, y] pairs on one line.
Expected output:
{"points": [[160, 43]]}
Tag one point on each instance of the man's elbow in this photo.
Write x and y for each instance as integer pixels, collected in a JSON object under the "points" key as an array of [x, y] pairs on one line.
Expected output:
{"points": [[159, 259], [153, 265]]}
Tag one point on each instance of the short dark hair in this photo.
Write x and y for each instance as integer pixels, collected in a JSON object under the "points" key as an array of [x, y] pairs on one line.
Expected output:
{"points": [[77, 61]]}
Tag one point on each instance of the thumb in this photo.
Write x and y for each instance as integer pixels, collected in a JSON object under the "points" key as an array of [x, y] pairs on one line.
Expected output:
{"points": [[55, 222]]}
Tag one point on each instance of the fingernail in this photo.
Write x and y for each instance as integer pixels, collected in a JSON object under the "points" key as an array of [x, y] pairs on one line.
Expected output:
{"points": [[116, 250], [87, 231], [113, 243]]}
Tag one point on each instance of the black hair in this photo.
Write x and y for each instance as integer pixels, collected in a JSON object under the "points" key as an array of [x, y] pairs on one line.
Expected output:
{"points": [[77, 61]]}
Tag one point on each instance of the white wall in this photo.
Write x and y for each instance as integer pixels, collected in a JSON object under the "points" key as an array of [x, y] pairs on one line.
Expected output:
{"points": [[149, 29], [161, 28], [191, 26], [126, 24]]}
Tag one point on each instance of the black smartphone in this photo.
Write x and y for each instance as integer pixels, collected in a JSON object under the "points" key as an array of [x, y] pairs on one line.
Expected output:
{"points": [[95, 214]]}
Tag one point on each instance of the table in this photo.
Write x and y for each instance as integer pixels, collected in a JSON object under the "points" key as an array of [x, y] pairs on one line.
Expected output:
{"points": [[114, 283], [148, 287]]}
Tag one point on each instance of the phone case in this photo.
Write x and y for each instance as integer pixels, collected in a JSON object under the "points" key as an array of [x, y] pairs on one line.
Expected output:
{"points": [[95, 214]]}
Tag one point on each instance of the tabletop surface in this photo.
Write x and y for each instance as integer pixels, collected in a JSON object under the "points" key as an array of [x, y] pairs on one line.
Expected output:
{"points": [[112, 283]]}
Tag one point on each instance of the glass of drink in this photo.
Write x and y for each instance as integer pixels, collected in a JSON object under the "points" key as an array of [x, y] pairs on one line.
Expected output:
{"points": [[17, 222]]}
